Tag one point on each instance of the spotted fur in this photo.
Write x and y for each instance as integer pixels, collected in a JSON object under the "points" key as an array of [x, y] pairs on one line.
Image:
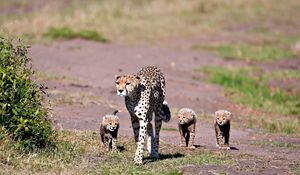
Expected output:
{"points": [[109, 131], [222, 128], [187, 127], [144, 96]]}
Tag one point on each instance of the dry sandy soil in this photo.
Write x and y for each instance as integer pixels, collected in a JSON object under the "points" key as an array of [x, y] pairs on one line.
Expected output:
{"points": [[80, 78]]}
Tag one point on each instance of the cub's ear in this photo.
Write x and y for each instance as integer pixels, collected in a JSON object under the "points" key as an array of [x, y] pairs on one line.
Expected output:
{"points": [[117, 77], [217, 113], [104, 118], [228, 113]]}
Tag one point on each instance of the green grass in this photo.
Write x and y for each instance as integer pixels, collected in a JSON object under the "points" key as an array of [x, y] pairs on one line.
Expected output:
{"points": [[250, 87], [68, 33], [163, 166], [169, 129], [287, 126]]}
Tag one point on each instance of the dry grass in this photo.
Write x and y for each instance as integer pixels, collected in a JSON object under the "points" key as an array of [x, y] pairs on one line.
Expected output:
{"points": [[80, 153], [134, 21]]}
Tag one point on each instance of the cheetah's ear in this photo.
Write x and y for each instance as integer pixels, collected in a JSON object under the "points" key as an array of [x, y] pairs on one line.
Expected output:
{"points": [[117, 77]]}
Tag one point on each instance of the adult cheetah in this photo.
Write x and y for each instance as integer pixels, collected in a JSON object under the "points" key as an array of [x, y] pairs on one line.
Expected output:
{"points": [[144, 96]]}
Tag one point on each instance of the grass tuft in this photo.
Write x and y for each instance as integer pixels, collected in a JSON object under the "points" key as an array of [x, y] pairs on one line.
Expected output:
{"points": [[68, 33], [168, 129]]}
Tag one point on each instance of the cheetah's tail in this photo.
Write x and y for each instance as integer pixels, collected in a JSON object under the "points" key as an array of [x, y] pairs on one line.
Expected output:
{"points": [[166, 113]]}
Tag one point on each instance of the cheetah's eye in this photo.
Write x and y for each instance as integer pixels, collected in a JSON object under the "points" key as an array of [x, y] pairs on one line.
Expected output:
{"points": [[117, 83], [217, 118], [110, 123], [128, 83]]}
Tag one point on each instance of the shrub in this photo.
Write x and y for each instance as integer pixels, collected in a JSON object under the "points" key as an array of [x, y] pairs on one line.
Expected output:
{"points": [[21, 112]]}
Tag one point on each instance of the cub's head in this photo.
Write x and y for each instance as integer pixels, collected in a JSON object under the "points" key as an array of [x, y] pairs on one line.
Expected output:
{"points": [[186, 116], [125, 84], [222, 117], [111, 122]]}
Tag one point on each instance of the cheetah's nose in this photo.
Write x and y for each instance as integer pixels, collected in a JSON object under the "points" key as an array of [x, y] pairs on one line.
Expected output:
{"points": [[120, 90]]}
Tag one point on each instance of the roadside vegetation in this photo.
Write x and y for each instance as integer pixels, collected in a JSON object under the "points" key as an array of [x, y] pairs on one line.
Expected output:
{"points": [[22, 115]]}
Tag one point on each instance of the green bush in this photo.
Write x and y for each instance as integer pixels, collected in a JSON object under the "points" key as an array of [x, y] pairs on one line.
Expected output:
{"points": [[21, 112]]}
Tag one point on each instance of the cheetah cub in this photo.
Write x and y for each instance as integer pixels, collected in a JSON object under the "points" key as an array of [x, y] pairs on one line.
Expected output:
{"points": [[222, 128], [109, 131], [187, 127]]}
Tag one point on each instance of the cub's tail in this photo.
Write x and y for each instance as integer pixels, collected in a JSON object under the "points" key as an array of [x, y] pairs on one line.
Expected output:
{"points": [[116, 111], [166, 113]]}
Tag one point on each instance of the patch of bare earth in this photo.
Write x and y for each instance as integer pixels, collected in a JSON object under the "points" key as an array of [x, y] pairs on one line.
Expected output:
{"points": [[87, 92]]}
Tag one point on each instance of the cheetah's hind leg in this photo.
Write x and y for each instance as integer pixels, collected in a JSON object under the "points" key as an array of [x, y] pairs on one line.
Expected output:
{"points": [[149, 138]]}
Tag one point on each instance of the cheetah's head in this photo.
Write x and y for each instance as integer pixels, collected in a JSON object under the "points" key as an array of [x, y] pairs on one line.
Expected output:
{"points": [[185, 117], [125, 84], [222, 117], [111, 122]]}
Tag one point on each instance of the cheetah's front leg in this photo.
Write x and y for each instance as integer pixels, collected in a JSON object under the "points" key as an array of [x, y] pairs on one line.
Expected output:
{"points": [[192, 136], [139, 154], [219, 137], [182, 136], [226, 141]]}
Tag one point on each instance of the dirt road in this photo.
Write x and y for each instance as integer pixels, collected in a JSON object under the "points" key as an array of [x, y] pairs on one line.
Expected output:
{"points": [[80, 77]]}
